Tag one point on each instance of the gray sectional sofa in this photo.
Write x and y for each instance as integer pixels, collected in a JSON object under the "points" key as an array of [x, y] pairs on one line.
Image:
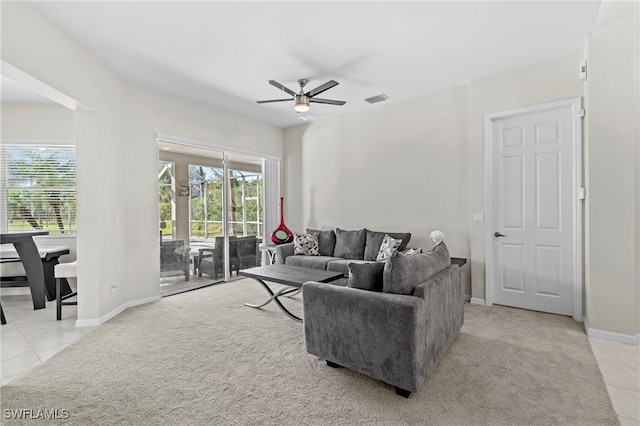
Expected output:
{"points": [[392, 320], [339, 248]]}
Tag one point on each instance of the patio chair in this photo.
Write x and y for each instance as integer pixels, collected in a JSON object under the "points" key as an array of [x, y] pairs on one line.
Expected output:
{"points": [[174, 256], [211, 260], [247, 252]]}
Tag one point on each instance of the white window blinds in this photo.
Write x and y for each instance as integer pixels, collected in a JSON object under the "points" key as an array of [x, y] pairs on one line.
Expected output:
{"points": [[38, 185]]}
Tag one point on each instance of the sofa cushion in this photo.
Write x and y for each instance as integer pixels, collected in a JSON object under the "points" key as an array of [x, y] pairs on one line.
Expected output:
{"points": [[403, 273], [374, 241], [350, 244], [389, 244], [342, 265], [313, 262], [305, 244], [326, 241], [366, 276]]}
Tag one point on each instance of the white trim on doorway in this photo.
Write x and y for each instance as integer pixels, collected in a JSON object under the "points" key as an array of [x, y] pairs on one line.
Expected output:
{"points": [[577, 113]]}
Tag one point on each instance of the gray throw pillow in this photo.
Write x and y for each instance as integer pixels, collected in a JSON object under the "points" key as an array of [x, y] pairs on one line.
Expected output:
{"points": [[366, 276], [326, 241], [402, 273], [374, 241], [350, 244]]}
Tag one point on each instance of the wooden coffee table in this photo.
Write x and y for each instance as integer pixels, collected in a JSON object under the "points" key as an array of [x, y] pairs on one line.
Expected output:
{"points": [[291, 276]]}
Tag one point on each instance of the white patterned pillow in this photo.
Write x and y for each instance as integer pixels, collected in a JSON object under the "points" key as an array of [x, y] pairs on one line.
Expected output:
{"points": [[305, 244], [387, 247], [413, 251]]}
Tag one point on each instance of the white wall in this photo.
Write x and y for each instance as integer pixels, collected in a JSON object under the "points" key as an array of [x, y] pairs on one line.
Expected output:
{"points": [[612, 171], [397, 167], [37, 122], [535, 84], [149, 113], [413, 165], [117, 157], [291, 177], [365, 169]]}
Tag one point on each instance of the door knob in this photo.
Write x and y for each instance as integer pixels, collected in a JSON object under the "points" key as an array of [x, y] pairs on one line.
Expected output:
{"points": [[497, 234]]}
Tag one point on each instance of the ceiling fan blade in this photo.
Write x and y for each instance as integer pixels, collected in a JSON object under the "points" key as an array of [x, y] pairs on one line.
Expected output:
{"points": [[327, 101], [281, 87], [273, 100], [328, 85]]}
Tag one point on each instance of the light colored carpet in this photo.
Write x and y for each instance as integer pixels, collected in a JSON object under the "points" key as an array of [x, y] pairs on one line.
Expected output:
{"points": [[203, 358]]}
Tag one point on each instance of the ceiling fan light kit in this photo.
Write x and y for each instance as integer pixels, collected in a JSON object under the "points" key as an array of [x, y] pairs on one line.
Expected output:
{"points": [[302, 103], [302, 99]]}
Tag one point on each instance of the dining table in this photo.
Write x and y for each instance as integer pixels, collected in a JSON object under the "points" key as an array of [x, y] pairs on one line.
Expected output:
{"points": [[30, 257]]}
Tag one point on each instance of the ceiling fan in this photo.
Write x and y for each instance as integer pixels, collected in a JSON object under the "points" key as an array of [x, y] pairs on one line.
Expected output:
{"points": [[302, 99]]}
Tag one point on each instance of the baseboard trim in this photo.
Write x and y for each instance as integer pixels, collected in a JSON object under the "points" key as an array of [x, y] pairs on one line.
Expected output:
{"points": [[467, 297], [87, 323], [94, 322], [477, 301], [629, 339]]}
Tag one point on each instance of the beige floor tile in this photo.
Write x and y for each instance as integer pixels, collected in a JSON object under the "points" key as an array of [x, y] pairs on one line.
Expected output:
{"points": [[621, 376], [626, 402], [13, 368], [13, 342], [627, 422], [616, 353], [40, 341], [45, 354]]}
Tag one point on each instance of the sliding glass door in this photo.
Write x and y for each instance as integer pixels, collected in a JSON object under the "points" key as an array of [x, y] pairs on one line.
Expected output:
{"points": [[212, 209], [245, 211], [206, 224]]}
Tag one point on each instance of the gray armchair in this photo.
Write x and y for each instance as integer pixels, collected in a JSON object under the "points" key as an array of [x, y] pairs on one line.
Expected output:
{"points": [[174, 256]]}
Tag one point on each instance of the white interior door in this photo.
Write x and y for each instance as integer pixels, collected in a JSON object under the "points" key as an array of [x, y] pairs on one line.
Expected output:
{"points": [[532, 229]]}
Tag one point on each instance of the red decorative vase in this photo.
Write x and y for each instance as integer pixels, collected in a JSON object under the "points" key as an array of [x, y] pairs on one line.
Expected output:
{"points": [[281, 234]]}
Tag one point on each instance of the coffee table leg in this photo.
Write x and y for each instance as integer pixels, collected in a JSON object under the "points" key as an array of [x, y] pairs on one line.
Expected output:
{"points": [[274, 298], [294, 291]]}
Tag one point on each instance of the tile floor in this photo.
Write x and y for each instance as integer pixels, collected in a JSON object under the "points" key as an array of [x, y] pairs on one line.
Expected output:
{"points": [[620, 367], [31, 337]]}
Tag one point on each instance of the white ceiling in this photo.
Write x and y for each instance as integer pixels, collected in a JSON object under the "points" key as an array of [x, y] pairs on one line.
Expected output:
{"points": [[223, 53]]}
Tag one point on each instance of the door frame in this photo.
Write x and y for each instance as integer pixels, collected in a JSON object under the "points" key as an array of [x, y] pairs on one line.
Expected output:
{"points": [[576, 185]]}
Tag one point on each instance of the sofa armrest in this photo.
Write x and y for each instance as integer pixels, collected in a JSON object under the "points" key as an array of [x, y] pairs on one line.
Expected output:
{"points": [[379, 334], [282, 252], [443, 296]]}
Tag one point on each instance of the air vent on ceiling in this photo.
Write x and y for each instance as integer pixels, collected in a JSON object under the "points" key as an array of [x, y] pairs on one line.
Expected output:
{"points": [[378, 98]]}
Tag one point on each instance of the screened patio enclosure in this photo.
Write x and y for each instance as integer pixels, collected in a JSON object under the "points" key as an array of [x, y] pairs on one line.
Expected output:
{"points": [[211, 207]]}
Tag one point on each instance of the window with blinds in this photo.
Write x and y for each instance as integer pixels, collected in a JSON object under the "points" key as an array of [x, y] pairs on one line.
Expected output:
{"points": [[38, 187]]}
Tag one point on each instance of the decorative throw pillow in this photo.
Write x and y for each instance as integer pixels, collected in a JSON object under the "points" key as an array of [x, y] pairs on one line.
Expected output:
{"points": [[350, 244], [374, 241], [366, 276], [305, 244], [326, 241], [389, 244], [413, 251]]}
